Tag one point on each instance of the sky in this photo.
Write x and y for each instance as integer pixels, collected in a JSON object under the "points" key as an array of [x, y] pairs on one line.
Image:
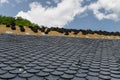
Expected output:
{"points": [[75, 14]]}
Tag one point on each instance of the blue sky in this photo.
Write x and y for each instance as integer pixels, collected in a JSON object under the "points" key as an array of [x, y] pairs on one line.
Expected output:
{"points": [[75, 14]]}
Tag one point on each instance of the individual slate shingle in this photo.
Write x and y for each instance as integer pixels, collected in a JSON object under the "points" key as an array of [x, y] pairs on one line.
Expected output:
{"points": [[95, 74], [8, 68], [17, 60], [115, 76], [83, 71], [104, 72], [2, 72], [23, 62], [115, 72], [61, 69], [33, 71], [67, 76], [17, 71], [43, 64], [72, 72], [92, 78], [25, 75], [105, 77], [9, 62], [77, 78], [31, 65], [3, 65], [38, 67], [94, 70], [56, 64], [57, 73], [18, 78], [105, 69], [42, 74], [51, 77], [52, 67], [81, 75], [16, 65], [84, 67], [48, 70], [36, 78], [73, 68], [7, 76], [114, 68]]}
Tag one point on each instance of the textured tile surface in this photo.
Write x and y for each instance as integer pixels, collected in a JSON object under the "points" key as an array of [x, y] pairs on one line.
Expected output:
{"points": [[58, 58]]}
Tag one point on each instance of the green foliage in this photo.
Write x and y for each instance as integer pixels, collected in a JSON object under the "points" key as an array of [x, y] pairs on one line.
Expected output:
{"points": [[21, 21], [17, 21], [0, 19], [6, 20]]}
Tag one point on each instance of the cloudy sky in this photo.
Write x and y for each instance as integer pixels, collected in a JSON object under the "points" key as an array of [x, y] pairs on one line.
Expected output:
{"points": [[76, 14]]}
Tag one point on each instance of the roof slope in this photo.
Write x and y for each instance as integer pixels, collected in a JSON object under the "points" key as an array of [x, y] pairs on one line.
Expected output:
{"points": [[58, 58]]}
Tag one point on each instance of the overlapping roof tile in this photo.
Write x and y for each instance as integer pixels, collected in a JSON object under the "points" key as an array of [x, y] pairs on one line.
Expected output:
{"points": [[58, 58]]}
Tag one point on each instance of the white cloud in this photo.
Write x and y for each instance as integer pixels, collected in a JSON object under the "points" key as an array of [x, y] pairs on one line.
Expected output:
{"points": [[110, 6], [3, 1], [56, 1], [48, 2], [58, 16]]}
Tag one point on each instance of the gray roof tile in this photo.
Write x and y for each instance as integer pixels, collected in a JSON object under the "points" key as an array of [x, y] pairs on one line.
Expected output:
{"points": [[81, 75], [2, 72], [7, 76], [8, 68], [57, 73], [3, 65], [18, 78], [58, 58], [17, 71], [92, 78], [25, 75], [71, 72], [33, 71], [43, 74], [67, 76]]}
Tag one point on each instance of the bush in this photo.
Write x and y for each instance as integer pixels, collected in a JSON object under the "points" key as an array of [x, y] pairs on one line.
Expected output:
{"points": [[7, 25], [76, 32], [6, 20], [22, 29], [66, 33], [30, 27], [42, 29], [13, 27], [35, 29], [47, 31]]}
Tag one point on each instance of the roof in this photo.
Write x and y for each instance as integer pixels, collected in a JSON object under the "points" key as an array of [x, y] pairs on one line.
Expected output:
{"points": [[58, 58]]}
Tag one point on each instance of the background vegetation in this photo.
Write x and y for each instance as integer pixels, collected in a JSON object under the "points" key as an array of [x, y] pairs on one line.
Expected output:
{"points": [[12, 22], [7, 20]]}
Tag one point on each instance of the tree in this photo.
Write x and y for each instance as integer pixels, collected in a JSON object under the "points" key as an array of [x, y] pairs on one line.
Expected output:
{"points": [[1, 19], [6, 20], [20, 21]]}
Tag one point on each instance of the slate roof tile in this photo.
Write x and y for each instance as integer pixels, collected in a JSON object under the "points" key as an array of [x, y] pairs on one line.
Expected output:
{"points": [[8, 76], [58, 58]]}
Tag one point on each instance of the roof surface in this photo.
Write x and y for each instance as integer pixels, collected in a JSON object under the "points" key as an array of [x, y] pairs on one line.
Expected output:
{"points": [[58, 58]]}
